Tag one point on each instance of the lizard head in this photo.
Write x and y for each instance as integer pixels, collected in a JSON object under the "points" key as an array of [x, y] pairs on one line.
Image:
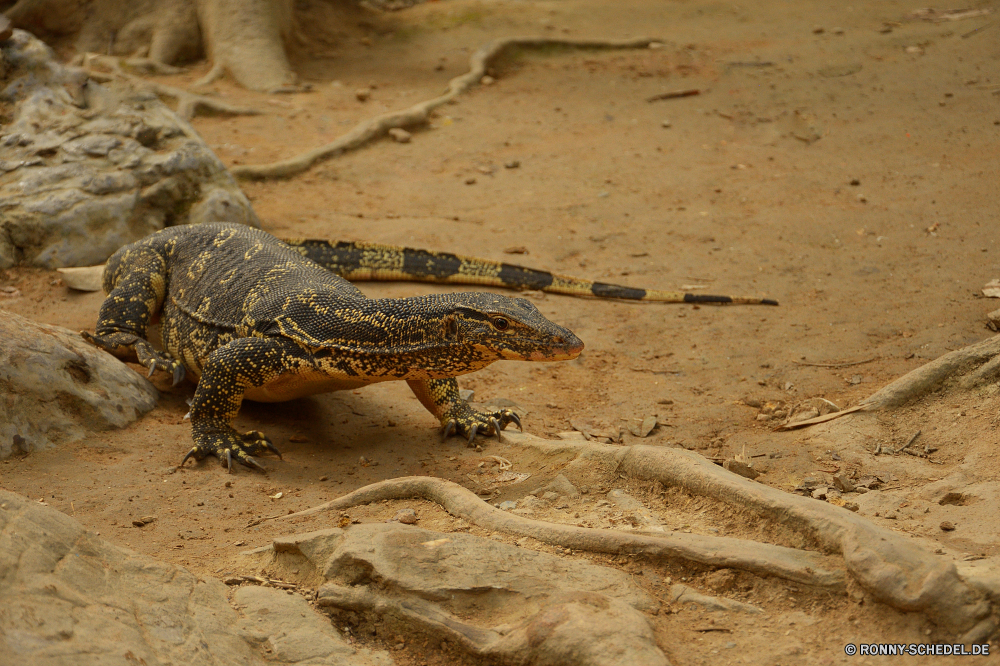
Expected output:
{"points": [[501, 327]]}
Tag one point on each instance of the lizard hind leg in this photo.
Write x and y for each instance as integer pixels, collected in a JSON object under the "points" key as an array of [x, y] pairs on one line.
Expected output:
{"points": [[441, 398]]}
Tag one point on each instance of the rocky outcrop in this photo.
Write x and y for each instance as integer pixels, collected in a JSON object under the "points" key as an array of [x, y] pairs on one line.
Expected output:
{"points": [[498, 602], [69, 598], [54, 387], [86, 168]]}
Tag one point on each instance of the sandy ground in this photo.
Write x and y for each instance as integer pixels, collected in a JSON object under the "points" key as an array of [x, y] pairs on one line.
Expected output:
{"points": [[842, 160]]}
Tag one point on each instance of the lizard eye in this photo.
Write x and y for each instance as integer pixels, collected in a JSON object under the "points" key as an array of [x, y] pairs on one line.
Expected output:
{"points": [[500, 323]]}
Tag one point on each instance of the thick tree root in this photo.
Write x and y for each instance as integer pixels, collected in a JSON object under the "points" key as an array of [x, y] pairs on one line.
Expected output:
{"points": [[893, 569], [979, 363], [419, 113], [761, 558], [108, 68]]}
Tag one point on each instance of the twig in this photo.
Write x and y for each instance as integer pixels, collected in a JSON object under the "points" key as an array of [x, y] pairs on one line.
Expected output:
{"points": [[845, 364], [762, 558], [972, 32], [674, 94], [419, 113], [911, 440], [264, 520]]}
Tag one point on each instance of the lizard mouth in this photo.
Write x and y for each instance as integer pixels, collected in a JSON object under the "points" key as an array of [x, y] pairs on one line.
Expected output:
{"points": [[563, 348]]}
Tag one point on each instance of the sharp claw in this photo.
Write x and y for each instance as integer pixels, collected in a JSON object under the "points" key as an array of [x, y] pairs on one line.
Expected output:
{"points": [[227, 461], [472, 433], [178, 374], [189, 454], [187, 416], [250, 461], [449, 428], [152, 369], [517, 420], [496, 428], [272, 448]]}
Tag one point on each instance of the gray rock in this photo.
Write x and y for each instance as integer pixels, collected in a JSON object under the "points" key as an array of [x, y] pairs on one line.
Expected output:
{"points": [[498, 602], [436, 565], [87, 168], [71, 598], [55, 388], [295, 633], [561, 486]]}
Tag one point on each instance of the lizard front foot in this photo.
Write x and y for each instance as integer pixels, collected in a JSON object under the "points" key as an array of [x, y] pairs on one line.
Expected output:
{"points": [[227, 444], [467, 422], [116, 343]]}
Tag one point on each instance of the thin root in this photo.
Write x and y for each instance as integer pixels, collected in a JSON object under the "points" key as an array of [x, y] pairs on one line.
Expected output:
{"points": [[419, 113], [188, 103]]}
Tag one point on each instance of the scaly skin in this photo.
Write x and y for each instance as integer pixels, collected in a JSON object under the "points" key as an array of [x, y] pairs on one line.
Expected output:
{"points": [[249, 317]]}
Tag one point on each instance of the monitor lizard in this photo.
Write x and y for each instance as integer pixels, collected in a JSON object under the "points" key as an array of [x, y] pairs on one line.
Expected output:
{"points": [[250, 316]]}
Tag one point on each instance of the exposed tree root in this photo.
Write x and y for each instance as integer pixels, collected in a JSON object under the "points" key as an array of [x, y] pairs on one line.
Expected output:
{"points": [[243, 37], [895, 570], [761, 558], [419, 113], [978, 363], [108, 68]]}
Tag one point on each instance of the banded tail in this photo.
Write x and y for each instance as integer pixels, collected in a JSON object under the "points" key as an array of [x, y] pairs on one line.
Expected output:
{"points": [[359, 262]]}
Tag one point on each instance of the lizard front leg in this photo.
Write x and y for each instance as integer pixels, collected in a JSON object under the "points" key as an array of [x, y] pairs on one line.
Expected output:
{"points": [[228, 373], [441, 398]]}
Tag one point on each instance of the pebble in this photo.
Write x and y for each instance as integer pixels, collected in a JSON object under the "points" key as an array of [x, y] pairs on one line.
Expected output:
{"points": [[947, 526], [400, 135], [667, 123], [145, 520], [487, 80], [470, 180], [513, 164], [406, 516], [363, 94], [819, 493], [507, 506]]}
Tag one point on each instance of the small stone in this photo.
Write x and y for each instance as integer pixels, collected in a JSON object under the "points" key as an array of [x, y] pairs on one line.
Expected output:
{"points": [[400, 135], [471, 180], [507, 505], [764, 417], [838, 31], [324, 478], [666, 123], [742, 469], [818, 30], [842, 483], [363, 94], [487, 80], [820, 493], [406, 516], [851, 506], [550, 495], [947, 526], [512, 164]]}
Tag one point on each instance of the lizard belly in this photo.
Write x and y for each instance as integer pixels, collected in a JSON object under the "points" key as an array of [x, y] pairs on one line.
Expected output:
{"points": [[292, 385]]}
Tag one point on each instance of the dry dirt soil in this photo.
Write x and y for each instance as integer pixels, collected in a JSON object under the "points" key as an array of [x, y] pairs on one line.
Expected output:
{"points": [[842, 159]]}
